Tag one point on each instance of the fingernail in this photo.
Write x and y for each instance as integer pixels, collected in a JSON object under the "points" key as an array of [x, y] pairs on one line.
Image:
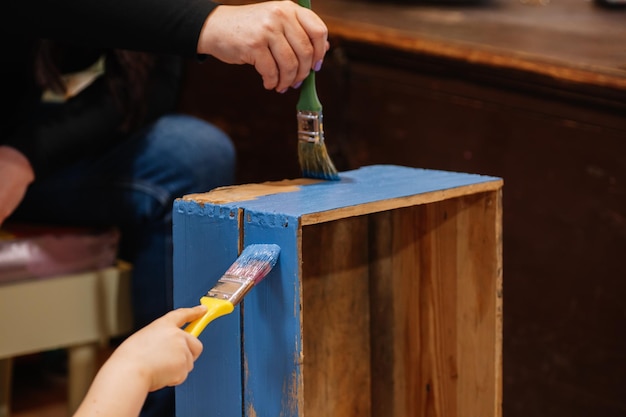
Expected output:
{"points": [[318, 65], [297, 85], [283, 91]]}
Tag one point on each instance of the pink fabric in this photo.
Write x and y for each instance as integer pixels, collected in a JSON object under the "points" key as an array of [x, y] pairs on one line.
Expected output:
{"points": [[39, 252]]}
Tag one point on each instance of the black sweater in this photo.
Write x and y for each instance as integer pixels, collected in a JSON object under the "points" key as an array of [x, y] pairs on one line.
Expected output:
{"points": [[88, 123]]}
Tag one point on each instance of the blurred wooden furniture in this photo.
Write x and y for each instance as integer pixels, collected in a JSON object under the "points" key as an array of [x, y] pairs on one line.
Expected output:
{"points": [[78, 312]]}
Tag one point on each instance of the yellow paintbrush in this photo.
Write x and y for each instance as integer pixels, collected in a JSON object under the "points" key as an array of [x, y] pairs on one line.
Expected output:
{"points": [[254, 263]]}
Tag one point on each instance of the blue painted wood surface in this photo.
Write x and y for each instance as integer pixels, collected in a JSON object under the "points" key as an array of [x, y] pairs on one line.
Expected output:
{"points": [[271, 322], [361, 186], [206, 238], [205, 245]]}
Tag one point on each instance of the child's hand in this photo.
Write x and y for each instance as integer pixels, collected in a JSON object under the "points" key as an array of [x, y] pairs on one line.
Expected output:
{"points": [[161, 354]]}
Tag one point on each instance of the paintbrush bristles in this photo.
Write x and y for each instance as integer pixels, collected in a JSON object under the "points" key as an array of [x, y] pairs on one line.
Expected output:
{"points": [[315, 162], [254, 262], [312, 154]]}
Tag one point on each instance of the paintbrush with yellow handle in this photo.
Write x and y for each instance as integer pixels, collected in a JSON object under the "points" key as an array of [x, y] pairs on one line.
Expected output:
{"points": [[254, 263], [312, 154]]}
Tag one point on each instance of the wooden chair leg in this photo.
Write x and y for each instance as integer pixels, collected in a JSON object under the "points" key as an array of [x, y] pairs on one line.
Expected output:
{"points": [[6, 371], [82, 369]]}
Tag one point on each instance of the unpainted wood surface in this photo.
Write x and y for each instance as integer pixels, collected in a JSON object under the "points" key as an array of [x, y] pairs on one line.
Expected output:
{"points": [[336, 317], [436, 309], [402, 311]]}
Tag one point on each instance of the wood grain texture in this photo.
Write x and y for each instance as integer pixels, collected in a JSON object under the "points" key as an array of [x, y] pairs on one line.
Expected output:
{"points": [[580, 48], [566, 39], [336, 316], [436, 301]]}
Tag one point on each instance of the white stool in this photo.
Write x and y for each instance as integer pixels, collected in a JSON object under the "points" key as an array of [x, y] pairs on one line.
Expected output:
{"points": [[79, 312]]}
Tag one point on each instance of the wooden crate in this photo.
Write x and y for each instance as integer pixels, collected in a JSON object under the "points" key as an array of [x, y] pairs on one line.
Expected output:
{"points": [[386, 299]]}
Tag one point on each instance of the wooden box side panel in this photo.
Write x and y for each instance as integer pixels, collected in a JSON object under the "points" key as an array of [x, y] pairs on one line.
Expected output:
{"points": [[437, 309], [336, 317], [206, 243], [401, 312], [272, 348]]}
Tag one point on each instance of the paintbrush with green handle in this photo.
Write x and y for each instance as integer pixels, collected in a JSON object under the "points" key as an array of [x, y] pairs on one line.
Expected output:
{"points": [[312, 154]]}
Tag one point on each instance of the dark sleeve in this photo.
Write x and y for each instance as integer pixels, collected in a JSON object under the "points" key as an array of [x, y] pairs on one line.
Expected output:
{"points": [[160, 26], [87, 125]]}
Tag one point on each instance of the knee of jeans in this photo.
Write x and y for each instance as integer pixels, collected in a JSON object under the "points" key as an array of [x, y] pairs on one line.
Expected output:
{"points": [[200, 152]]}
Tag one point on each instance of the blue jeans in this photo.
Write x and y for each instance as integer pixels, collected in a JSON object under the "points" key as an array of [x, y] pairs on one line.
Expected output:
{"points": [[133, 187]]}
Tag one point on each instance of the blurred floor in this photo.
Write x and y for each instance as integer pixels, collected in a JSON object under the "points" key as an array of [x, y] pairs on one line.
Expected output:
{"points": [[40, 384]]}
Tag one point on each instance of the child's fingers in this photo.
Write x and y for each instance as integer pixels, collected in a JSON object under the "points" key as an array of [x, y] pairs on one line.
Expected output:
{"points": [[180, 316], [195, 346]]}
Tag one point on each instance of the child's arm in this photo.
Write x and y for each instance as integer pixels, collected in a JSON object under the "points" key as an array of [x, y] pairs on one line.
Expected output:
{"points": [[161, 354]]}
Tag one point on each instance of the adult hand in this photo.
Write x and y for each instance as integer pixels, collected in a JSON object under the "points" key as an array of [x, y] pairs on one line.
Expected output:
{"points": [[16, 173], [281, 39]]}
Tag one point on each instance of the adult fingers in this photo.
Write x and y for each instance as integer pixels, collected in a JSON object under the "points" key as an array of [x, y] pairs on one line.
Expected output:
{"points": [[302, 50], [287, 62], [317, 33], [266, 66]]}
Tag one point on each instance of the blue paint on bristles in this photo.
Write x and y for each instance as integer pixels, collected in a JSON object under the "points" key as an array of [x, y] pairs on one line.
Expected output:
{"points": [[315, 161], [255, 262]]}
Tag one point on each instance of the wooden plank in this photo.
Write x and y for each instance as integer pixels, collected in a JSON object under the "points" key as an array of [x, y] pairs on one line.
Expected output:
{"points": [[414, 276], [206, 243], [479, 303], [362, 191], [272, 348], [397, 376], [335, 309], [436, 309]]}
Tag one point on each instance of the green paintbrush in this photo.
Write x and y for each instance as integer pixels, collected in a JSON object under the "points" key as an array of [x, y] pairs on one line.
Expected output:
{"points": [[312, 154]]}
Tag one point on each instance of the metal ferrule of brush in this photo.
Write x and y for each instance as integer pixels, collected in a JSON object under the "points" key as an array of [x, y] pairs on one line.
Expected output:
{"points": [[232, 288], [310, 126]]}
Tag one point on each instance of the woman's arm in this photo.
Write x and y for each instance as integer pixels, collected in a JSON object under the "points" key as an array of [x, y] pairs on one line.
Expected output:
{"points": [[167, 26], [282, 40]]}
